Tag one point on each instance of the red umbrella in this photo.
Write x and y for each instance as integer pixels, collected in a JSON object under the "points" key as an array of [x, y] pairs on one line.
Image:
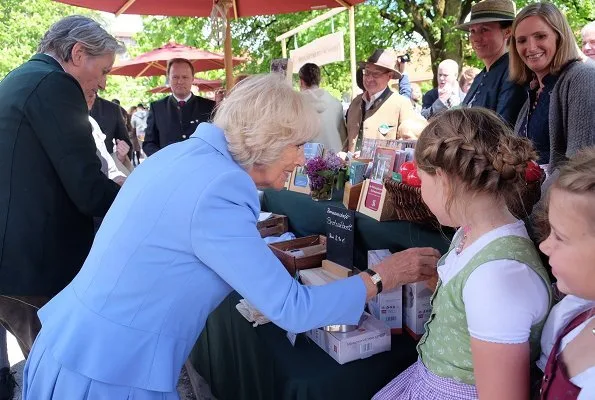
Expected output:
{"points": [[202, 8], [155, 61], [233, 8], [202, 85]]}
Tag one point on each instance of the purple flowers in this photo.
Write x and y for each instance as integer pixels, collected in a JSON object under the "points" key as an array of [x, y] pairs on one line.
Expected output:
{"points": [[322, 171]]}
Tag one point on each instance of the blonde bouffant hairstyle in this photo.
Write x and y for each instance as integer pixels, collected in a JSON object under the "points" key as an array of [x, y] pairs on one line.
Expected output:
{"points": [[261, 117], [566, 48], [477, 149]]}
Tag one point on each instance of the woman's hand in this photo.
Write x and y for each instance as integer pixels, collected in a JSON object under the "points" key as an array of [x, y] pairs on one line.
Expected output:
{"points": [[411, 265], [122, 150]]}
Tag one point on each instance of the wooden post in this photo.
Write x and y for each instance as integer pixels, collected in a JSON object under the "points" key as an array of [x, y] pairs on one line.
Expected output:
{"points": [[352, 51], [228, 56], [284, 48]]}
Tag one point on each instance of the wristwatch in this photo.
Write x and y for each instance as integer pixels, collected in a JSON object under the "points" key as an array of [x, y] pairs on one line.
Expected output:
{"points": [[376, 279]]}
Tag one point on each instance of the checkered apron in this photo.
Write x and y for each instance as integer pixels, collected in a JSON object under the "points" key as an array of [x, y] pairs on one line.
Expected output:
{"points": [[418, 383]]}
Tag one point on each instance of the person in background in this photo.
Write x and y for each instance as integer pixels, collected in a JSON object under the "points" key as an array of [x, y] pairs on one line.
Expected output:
{"points": [[416, 98], [138, 121], [175, 117], [108, 166], [447, 94], [493, 293], [378, 112], [112, 120], [128, 306], [133, 137], [558, 111], [588, 39], [489, 34], [567, 351], [51, 182], [466, 79], [330, 111]]}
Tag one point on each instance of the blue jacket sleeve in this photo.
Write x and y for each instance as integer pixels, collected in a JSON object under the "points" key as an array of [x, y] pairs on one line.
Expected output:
{"points": [[405, 86], [225, 238], [510, 100]]}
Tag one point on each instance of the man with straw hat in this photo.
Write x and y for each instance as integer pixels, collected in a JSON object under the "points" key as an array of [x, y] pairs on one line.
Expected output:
{"points": [[489, 33], [378, 112]]}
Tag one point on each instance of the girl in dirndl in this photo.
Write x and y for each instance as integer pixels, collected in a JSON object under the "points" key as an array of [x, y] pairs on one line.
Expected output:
{"points": [[568, 338], [493, 293]]}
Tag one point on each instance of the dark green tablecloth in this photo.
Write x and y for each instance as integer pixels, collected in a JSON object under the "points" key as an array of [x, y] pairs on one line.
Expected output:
{"points": [[307, 217], [242, 362]]}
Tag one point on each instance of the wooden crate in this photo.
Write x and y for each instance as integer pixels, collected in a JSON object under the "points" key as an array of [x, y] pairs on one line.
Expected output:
{"points": [[313, 248], [351, 195], [276, 225]]}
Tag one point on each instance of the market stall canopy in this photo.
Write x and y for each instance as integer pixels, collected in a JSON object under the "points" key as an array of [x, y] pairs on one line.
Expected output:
{"points": [[202, 8], [154, 62], [203, 85]]}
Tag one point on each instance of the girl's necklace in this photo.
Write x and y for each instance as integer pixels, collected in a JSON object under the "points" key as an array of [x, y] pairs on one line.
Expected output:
{"points": [[461, 244]]}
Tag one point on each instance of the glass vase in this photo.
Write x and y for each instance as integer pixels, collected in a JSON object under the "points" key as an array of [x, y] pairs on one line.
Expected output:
{"points": [[324, 191]]}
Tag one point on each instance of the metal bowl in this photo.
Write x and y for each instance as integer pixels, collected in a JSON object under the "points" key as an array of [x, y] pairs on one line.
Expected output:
{"points": [[344, 328]]}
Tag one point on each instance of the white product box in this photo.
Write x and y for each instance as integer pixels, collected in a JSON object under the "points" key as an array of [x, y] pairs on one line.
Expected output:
{"points": [[416, 308], [372, 337], [388, 305]]}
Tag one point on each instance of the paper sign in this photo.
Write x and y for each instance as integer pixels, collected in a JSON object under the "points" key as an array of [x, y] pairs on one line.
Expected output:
{"points": [[322, 51]]}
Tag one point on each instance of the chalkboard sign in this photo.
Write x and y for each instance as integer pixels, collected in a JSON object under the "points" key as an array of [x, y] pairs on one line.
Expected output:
{"points": [[340, 225]]}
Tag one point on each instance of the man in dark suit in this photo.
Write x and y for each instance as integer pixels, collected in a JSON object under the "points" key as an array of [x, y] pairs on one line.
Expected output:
{"points": [[51, 184], [110, 118], [176, 117]]}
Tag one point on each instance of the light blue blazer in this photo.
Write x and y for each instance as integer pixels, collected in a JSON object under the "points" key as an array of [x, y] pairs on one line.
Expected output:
{"points": [[180, 236]]}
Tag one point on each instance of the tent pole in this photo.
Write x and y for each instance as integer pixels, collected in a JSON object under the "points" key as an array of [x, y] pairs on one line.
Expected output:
{"points": [[284, 48], [228, 58], [352, 51]]}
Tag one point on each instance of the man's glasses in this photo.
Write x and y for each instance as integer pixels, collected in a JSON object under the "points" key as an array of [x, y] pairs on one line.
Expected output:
{"points": [[374, 74]]}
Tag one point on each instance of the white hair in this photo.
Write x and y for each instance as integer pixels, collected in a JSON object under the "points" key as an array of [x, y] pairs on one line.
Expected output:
{"points": [[262, 116], [451, 65], [590, 26]]}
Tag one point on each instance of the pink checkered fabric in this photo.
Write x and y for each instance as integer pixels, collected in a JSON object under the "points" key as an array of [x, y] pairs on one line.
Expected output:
{"points": [[418, 383]]}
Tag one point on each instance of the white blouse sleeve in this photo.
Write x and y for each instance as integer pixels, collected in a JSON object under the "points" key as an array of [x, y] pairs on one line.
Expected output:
{"points": [[503, 299]]}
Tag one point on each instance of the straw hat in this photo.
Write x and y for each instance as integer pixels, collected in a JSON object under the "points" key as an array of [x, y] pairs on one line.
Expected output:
{"points": [[490, 11], [385, 59]]}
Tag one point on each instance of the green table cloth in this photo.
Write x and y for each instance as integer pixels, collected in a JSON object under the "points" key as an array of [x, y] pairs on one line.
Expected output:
{"points": [[241, 362], [307, 217]]}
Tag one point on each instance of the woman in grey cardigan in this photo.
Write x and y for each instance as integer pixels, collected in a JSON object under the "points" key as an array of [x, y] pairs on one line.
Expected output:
{"points": [[558, 115]]}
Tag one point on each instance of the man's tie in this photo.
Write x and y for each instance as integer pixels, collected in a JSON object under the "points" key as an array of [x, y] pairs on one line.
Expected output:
{"points": [[181, 103]]}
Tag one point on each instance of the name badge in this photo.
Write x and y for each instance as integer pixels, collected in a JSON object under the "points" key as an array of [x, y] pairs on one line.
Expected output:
{"points": [[385, 128]]}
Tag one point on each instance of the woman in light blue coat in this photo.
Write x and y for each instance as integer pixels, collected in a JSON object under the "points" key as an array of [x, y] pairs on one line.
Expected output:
{"points": [[180, 236]]}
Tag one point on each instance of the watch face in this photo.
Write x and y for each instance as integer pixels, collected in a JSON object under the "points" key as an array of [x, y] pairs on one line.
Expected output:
{"points": [[376, 278]]}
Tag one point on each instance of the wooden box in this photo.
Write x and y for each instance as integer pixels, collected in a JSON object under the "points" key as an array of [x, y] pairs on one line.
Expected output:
{"points": [[302, 253], [384, 211], [276, 225], [351, 194]]}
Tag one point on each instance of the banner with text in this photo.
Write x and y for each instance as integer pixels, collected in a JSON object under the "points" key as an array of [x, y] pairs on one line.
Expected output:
{"points": [[322, 51]]}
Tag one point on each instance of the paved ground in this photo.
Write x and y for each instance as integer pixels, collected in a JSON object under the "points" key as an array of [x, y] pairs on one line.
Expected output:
{"points": [[184, 387]]}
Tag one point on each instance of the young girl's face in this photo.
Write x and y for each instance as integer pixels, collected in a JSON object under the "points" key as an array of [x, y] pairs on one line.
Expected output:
{"points": [[434, 193], [571, 243]]}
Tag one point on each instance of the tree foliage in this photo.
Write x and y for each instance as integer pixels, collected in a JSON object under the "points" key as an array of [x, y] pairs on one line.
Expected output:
{"points": [[23, 24]]}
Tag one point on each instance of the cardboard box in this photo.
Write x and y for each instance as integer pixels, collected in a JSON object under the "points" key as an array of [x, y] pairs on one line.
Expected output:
{"points": [[388, 305], [416, 308], [372, 337]]}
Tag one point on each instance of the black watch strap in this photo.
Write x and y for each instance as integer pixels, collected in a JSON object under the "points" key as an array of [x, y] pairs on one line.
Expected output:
{"points": [[376, 279]]}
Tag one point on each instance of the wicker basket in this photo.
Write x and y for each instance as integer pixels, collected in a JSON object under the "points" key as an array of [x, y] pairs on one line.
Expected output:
{"points": [[407, 203]]}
